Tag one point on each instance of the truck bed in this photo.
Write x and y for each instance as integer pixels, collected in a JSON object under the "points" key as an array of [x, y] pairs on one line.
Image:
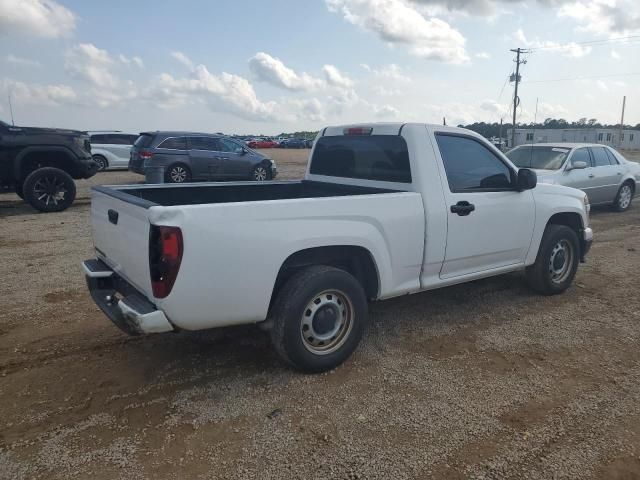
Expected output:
{"points": [[231, 192]]}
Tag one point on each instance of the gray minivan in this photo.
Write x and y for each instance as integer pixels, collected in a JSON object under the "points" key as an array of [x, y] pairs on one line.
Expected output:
{"points": [[187, 156]]}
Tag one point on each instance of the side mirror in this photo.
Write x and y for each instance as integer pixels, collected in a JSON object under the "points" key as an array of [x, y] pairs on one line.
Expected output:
{"points": [[243, 151], [579, 165], [527, 179]]}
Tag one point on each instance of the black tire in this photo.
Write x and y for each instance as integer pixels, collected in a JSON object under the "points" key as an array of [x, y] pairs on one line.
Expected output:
{"points": [[102, 162], [177, 173], [18, 190], [49, 189], [261, 172], [341, 296], [557, 261], [624, 197]]}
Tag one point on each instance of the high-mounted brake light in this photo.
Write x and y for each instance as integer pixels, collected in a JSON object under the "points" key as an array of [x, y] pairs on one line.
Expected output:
{"points": [[146, 155], [165, 256], [358, 131]]}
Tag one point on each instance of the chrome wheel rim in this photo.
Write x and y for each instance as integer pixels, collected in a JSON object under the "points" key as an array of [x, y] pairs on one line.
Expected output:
{"points": [[178, 174], [561, 261], [326, 322], [260, 174], [50, 190], [625, 196]]}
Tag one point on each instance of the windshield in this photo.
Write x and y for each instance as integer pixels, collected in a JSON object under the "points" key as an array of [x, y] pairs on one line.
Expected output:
{"points": [[541, 158]]}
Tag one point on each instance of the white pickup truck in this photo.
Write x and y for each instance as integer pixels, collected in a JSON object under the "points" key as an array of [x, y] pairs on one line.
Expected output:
{"points": [[383, 210]]}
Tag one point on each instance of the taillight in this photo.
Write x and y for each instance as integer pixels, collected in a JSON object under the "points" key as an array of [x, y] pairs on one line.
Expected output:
{"points": [[165, 256], [144, 155], [358, 131]]}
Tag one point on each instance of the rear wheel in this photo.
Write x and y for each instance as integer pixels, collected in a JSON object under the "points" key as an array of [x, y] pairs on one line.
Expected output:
{"points": [[557, 261], [49, 189], [319, 317], [101, 161], [624, 197], [178, 173]]}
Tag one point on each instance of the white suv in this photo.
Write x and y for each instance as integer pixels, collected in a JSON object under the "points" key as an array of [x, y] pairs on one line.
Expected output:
{"points": [[110, 150]]}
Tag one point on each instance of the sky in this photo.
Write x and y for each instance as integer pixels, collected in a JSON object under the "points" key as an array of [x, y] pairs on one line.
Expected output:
{"points": [[240, 66]]}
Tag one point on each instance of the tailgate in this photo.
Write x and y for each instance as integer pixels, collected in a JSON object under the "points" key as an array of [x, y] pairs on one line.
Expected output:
{"points": [[121, 237]]}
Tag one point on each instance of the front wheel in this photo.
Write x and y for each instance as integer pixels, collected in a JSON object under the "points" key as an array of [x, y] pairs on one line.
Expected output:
{"points": [[261, 173], [557, 261], [319, 317], [49, 189], [624, 197], [101, 162]]}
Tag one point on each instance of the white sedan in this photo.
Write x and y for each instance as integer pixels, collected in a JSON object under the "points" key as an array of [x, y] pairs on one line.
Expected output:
{"points": [[600, 171]]}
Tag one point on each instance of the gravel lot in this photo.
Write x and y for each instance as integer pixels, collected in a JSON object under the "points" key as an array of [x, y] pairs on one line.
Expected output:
{"points": [[484, 380]]}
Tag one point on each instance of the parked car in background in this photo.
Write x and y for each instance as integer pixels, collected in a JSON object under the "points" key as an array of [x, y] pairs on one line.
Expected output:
{"points": [[111, 149], [308, 143], [40, 164], [293, 143], [262, 143], [187, 156], [598, 170], [384, 210]]}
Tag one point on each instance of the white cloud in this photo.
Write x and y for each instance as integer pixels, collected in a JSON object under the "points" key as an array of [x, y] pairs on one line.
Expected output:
{"points": [[615, 55], [91, 64], [137, 61], [494, 108], [223, 92], [272, 70], [390, 72], [40, 18], [482, 55], [605, 17], [183, 59], [386, 111], [602, 85], [336, 78], [386, 92], [23, 62], [570, 50], [397, 22], [311, 109], [37, 94]]}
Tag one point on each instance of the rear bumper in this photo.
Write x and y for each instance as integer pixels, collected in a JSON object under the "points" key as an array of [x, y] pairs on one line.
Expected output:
{"points": [[87, 167], [127, 308], [586, 242]]}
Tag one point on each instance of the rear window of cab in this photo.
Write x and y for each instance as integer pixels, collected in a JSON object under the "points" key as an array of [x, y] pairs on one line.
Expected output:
{"points": [[382, 158]]}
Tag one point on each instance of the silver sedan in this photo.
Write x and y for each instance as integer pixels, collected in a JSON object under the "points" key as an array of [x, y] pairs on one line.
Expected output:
{"points": [[600, 171]]}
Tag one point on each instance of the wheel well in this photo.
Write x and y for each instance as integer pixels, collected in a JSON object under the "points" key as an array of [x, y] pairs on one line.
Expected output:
{"points": [[358, 261], [571, 220], [631, 183], [56, 159]]}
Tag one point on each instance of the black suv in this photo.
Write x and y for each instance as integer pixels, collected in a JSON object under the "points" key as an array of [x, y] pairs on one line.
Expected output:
{"points": [[41, 163], [188, 156]]}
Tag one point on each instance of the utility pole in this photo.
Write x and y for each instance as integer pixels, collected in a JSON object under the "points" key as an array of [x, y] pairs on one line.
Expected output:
{"points": [[624, 101], [500, 136], [516, 99], [11, 110]]}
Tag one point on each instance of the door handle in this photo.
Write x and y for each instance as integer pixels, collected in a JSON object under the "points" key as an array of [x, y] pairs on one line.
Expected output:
{"points": [[463, 208], [591, 175], [619, 173]]}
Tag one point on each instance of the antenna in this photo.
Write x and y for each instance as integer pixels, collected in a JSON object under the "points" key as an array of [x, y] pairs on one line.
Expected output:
{"points": [[11, 110]]}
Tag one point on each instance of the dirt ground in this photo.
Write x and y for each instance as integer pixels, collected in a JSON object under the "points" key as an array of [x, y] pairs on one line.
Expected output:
{"points": [[483, 380]]}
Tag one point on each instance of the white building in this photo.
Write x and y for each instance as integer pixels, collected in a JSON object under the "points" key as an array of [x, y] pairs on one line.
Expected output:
{"points": [[629, 140]]}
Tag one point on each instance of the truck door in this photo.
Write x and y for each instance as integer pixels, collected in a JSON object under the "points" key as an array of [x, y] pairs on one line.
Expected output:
{"points": [[489, 222]]}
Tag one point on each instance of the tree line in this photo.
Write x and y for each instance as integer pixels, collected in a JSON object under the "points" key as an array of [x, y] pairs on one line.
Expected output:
{"points": [[489, 130]]}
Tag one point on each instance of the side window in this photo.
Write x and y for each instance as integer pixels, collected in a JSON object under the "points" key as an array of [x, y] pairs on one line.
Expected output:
{"points": [[472, 166], [229, 146], [581, 155], [98, 139], [174, 143], [204, 143], [600, 158], [612, 157]]}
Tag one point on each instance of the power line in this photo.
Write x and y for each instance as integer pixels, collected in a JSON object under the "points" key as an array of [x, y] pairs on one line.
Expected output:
{"points": [[582, 77], [603, 41]]}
